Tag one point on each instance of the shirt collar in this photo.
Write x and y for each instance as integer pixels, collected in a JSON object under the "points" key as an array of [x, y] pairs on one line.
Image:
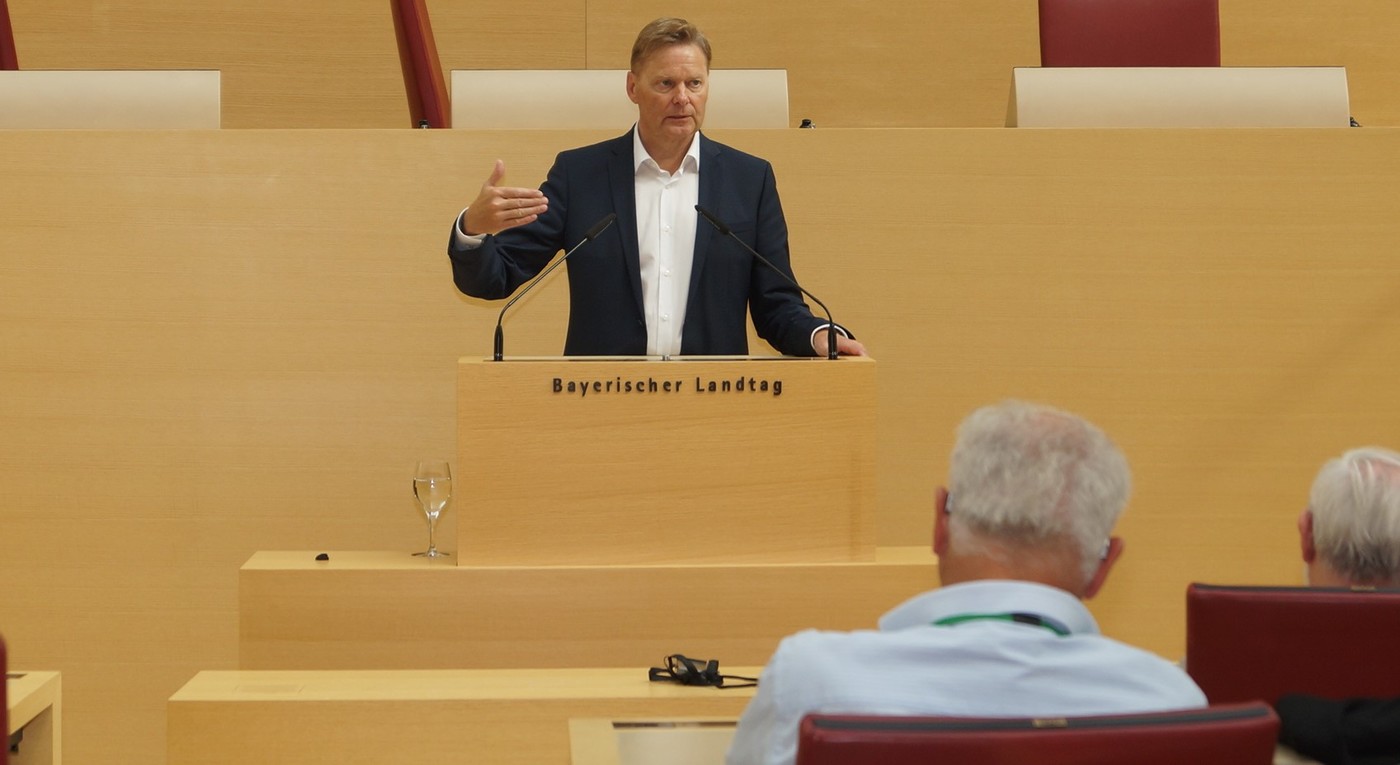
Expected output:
{"points": [[992, 596], [640, 157]]}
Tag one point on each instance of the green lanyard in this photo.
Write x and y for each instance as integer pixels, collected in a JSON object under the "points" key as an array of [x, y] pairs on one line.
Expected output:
{"points": [[1034, 620]]}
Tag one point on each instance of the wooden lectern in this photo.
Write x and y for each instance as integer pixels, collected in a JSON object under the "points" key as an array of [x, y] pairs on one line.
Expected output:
{"points": [[603, 492], [617, 461]]}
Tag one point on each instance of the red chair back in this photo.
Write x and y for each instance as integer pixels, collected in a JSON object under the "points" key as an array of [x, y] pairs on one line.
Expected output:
{"points": [[1129, 33], [4, 703], [9, 57], [1241, 734], [1247, 643], [428, 101]]}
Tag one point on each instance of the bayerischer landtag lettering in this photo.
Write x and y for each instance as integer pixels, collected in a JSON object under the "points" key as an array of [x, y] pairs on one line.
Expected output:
{"points": [[739, 385], [649, 385], [616, 385]]}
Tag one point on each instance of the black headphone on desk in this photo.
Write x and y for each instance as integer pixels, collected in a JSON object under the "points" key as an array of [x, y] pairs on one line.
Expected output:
{"points": [[687, 671]]}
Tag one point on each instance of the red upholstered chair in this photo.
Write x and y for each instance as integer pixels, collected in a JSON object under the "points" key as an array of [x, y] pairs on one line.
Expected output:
{"points": [[1129, 33], [428, 101], [4, 705], [1241, 734], [9, 57], [1247, 643]]}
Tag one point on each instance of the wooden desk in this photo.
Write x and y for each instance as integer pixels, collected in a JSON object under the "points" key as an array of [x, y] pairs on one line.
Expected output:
{"points": [[672, 741], [389, 610], [416, 716], [35, 701]]}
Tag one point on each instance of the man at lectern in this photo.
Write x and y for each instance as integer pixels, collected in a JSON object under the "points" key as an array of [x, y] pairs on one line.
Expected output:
{"points": [[1022, 535], [663, 280]]}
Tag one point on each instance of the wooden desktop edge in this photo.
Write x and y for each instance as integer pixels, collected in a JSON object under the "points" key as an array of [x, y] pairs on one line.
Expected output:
{"points": [[260, 686], [29, 694], [594, 740], [394, 560], [662, 359], [35, 701], [1179, 97]]}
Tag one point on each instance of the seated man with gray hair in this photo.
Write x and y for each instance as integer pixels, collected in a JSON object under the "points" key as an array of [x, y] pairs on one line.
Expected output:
{"points": [[1022, 535], [1350, 531], [1350, 535]]}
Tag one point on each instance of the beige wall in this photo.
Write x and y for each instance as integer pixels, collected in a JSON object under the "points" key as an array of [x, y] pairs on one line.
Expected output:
{"points": [[908, 63], [220, 342]]}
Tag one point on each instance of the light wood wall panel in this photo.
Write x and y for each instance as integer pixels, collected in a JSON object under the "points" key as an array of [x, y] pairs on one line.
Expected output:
{"points": [[904, 63], [535, 34], [213, 343], [212, 372], [321, 63], [1349, 33], [948, 63]]}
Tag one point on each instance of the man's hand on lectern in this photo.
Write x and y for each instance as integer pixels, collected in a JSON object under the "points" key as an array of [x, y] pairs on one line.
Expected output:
{"points": [[845, 346]]}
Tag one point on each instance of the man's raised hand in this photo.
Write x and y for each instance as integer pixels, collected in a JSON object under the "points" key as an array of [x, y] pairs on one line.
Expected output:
{"points": [[498, 208]]}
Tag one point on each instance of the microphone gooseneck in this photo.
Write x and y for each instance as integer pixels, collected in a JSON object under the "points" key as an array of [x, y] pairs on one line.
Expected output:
{"points": [[591, 234], [727, 231]]}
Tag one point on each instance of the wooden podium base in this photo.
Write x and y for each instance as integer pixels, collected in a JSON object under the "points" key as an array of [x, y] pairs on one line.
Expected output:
{"points": [[389, 610], [605, 461]]}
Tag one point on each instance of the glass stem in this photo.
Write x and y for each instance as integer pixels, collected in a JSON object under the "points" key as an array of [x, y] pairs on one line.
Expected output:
{"points": [[432, 546]]}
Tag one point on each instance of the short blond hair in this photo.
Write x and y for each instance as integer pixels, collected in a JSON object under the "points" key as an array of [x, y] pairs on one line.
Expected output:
{"points": [[665, 32]]}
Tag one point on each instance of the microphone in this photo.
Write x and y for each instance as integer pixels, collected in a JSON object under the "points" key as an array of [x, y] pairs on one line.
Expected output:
{"points": [[727, 231], [588, 237]]}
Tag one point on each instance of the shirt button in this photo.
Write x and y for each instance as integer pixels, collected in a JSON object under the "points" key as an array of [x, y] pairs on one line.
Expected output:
{"points": [[665, 317]]}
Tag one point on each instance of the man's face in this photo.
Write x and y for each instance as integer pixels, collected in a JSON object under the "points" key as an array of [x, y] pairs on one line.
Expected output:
{"points": [[670, 91]]}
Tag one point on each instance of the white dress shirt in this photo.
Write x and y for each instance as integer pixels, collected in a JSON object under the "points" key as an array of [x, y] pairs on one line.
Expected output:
{"points": [[666, 220], [983, 665]]}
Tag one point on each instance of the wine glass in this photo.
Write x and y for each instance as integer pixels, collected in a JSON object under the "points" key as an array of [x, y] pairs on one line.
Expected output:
{"points": [[432, 485]]}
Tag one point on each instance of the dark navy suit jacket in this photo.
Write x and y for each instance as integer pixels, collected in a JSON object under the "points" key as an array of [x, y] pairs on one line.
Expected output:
{"points": [[605, 293]]}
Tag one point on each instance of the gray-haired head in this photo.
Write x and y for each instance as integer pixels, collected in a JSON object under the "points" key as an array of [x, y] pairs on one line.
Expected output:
{"points": [[1355, 506], [1030, 474]]}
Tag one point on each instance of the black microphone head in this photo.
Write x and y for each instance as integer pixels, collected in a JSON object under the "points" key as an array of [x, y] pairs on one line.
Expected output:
{"points": [[714, 221], [599, 226]]}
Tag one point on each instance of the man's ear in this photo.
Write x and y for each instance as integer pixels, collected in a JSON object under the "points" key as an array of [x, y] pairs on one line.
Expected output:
{"points": [[1305, 536], [1110, 556], [940, 521], [632, 86]]}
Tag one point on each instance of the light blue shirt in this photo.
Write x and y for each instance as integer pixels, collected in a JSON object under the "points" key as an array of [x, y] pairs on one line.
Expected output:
{"points": [[984, 666]]}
